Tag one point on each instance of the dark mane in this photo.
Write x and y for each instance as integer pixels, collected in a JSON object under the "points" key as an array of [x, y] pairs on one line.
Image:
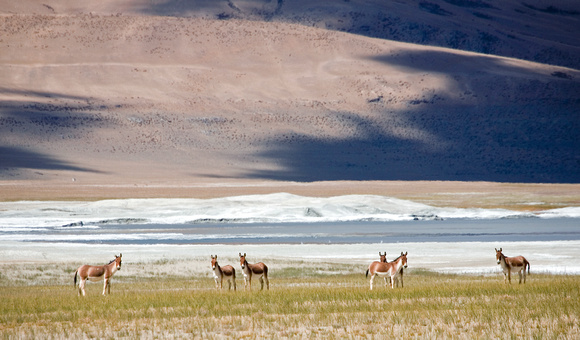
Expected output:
{"points": [[395, 260]]}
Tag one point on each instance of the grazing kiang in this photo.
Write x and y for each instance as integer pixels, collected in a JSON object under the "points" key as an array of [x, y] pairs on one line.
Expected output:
{"points": [[259, 269], [392, 270], [98, 273], [512, 264], [220, 273]]}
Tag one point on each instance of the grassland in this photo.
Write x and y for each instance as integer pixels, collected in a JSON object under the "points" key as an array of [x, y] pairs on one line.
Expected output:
{"points": [[299, 305]]}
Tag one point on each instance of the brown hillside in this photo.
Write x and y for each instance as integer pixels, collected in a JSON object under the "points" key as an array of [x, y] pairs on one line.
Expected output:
{"points": [[107, 93]]}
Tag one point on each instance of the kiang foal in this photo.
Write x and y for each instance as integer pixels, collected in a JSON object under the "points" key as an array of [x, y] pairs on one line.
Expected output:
{"points": [[98, 273], [509, 264], [249, 270], [220, 273]]}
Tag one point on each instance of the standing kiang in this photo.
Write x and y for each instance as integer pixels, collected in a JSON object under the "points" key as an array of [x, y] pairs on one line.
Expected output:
{"points": [[220, 273], [393, 270], [512, 264], [259, 269], [98, 273], [374, 264]]}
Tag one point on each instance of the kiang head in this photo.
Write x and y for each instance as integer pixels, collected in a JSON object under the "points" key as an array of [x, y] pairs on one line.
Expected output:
{"points": [[243, 260], [403, 258], [118, 261], [213, 261], [498, 255], [383, 257]]}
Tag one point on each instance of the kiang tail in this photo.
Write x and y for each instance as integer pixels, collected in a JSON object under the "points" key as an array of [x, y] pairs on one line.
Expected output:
{"points": [[75, 279], [367, 274]]}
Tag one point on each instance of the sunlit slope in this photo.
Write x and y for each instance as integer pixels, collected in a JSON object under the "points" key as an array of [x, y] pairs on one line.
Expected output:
{"points": [[543, 31]]}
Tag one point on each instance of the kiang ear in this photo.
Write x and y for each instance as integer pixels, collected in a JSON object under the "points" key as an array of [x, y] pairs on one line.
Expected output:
{"points": [[244, 254], [212, 257], [496, 250], [500, 249], [406, 253]]}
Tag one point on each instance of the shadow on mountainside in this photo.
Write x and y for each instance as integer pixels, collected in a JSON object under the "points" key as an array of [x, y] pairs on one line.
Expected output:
{"points": [[17, 158], [35, 122], [526, 129], [508, 29]]}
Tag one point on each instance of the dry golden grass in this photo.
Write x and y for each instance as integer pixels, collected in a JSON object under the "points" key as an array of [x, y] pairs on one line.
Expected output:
{"points": [[311, 305]]}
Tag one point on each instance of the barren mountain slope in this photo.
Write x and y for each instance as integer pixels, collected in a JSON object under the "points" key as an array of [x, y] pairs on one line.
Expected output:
{"points": [[537, 30], [137, 98]]}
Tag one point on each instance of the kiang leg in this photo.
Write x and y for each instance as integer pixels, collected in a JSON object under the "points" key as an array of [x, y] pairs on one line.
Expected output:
{"points": [[107, 286], [82, 287], [372, 280], [261, 283]]}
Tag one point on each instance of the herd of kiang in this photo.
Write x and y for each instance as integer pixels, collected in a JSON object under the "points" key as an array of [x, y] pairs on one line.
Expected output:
{"points": [[391, 271]]}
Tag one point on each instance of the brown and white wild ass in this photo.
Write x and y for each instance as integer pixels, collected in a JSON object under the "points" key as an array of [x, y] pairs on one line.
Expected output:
{"points": [[249, 270], [382, 259], [220, 273], [393, 269], [98, 273], [512, 264]]}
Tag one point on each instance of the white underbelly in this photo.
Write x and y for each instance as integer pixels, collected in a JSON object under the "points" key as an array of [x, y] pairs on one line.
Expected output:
{"points": [[95, 278], [382, 274]]}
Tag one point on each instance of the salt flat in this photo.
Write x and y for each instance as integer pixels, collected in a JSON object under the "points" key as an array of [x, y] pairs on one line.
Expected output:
{"points": [[557, 257]]}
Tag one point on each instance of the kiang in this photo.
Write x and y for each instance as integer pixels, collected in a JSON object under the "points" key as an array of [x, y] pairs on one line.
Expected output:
{"points": [[390, 271]]}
